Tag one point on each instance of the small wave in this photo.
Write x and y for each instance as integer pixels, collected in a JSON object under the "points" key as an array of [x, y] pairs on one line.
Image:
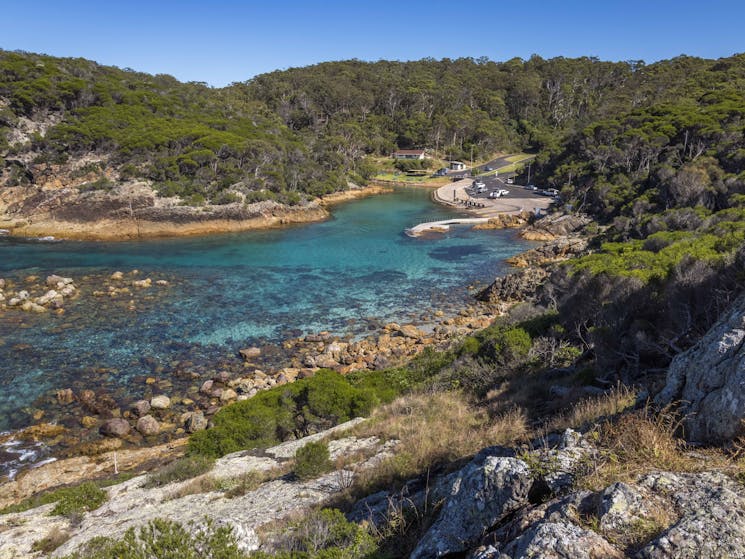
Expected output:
{"points": [[16, 455]]}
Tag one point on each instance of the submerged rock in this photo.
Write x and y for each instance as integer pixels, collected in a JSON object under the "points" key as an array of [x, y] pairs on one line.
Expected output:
{"points": [[115, 427], [65, 396], [55, 280], [160, 402], [250, 353], [148, 426], [140, 408]]}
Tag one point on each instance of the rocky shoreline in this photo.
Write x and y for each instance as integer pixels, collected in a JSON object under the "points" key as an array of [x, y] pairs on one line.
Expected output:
{"points": [[135, 212], [182, 401]]}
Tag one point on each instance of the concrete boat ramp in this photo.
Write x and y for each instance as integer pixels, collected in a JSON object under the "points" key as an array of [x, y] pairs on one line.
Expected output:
{"points": [[444, 225]]}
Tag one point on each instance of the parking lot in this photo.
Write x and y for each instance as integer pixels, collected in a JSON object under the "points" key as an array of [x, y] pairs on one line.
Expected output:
{"points": [[461, 193]]}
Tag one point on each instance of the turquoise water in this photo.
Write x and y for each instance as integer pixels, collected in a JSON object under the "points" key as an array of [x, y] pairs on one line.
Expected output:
{"points": [[344, 275]]}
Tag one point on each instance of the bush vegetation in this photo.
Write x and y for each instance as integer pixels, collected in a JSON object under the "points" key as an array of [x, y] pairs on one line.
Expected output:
{"points": [[321, 534], [76, 500], [310, 405], [69, 500], [312, 460], [180, 470], [164, 539]]}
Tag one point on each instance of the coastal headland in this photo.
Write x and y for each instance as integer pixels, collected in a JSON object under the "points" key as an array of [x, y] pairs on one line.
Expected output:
{"points": [[135, 212]]}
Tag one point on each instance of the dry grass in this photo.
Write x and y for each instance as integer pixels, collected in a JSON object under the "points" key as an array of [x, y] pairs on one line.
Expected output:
{"points": [[590, 410], [434, 430], [231, 487], [198, 485], [55, 538], [245, 483], [643, 441]]}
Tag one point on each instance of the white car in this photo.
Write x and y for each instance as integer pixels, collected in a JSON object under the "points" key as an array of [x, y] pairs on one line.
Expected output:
{"points": [[498, 193]]}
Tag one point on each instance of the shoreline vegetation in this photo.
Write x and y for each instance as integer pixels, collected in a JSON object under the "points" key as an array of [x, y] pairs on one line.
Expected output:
{"points": [[193, 224]]}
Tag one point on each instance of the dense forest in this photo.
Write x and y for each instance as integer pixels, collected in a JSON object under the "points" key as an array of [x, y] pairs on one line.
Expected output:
{"points": [[307, 131]]}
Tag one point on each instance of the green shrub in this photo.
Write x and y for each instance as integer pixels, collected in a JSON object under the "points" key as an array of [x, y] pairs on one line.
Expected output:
{"points": [[470, 346], [541, 324], [504, 345], [75, 500], [225, 197], [180, 470], [411, 164], [312, 460], [163, 539], [387, 384], [103, 184], [290, 411]]}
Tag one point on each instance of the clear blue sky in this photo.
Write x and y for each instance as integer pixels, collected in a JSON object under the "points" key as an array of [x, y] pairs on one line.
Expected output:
{"points": [[222, 41]]}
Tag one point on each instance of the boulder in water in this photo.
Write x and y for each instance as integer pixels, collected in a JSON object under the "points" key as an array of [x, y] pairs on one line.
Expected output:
{"points": [[140, 408], [161, 402], [148, 426], [115, 427]]}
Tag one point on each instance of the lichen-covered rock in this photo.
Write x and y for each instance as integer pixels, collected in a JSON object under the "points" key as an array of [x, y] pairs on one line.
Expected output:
{"points": [[561, 463], [621, 506], [483, 492], [560, 540], [555, 225], [712, 522], [708, 380]]}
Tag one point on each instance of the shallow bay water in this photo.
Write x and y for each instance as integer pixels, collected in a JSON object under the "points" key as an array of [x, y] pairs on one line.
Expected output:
{"points": [[230, 291]]}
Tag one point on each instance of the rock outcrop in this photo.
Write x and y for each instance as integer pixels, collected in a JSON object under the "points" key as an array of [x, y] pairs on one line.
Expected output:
{"points": [[521, 285], [555, 225], [483, 493], [707, 380]]}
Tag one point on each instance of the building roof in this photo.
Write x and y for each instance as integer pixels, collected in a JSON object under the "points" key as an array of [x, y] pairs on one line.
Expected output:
{"points": [[409, 152]]}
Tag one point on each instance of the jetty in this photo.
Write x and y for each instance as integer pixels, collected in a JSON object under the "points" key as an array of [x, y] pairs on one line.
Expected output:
{"points": [[443, 225]]}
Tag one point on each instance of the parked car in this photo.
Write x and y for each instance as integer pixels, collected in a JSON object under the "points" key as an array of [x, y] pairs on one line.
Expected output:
{"points": [[441, 172], [552, 192], [498, 193], [510, 180], [488, 168], [532, 187]]}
